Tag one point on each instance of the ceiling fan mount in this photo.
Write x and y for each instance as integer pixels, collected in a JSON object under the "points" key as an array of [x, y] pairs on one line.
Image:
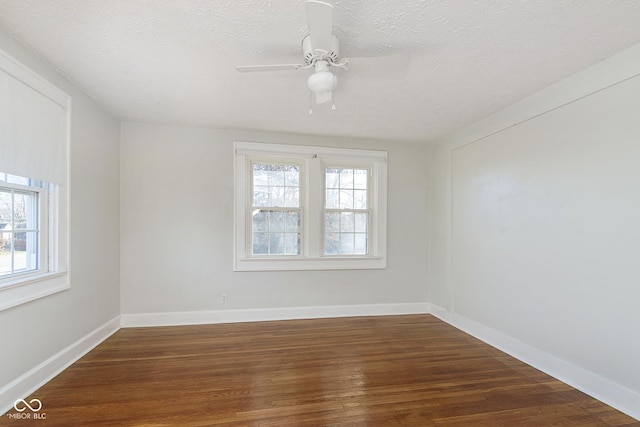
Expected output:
{"points": [[311, 55]]}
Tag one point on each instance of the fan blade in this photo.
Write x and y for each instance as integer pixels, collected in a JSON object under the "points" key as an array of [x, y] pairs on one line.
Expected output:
{"points": [[392, 67], [323, 97], [278, 67], [320, 23]]}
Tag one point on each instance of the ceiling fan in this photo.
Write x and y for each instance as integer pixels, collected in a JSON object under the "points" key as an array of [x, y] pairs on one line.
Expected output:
{"points": [[321, 50]]}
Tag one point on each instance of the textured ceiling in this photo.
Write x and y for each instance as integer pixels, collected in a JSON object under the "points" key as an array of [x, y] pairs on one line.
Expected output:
{"points": [[450, 62]]}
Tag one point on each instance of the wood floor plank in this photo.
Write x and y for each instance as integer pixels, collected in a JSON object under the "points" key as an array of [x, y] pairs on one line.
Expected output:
{"points": [[362, 371]]}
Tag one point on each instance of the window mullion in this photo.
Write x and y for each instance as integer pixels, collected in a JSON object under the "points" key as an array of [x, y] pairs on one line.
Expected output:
{"points": [[315, 202]]}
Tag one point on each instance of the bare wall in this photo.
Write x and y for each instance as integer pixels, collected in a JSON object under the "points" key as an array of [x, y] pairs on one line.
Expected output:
{"points": [[537, 232]]}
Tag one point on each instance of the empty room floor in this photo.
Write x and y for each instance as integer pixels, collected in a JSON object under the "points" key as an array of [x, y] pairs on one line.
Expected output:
{"points": [[362, 371]]}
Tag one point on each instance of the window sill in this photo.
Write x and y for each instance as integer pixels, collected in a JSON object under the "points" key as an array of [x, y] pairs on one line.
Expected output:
{"points": [[30, 287], [325, 263]]}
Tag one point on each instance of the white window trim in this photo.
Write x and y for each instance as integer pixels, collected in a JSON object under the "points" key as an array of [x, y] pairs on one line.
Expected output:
{"points": [[51, 276], [23, 288], [312, 159], [302, 208], [43, 237]]}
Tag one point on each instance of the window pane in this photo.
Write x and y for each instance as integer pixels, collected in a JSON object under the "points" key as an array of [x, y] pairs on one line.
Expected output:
{"points": [[25, 252], [360, 178], [360, 247], [20, 241], [23, 214], [360, 199], [346, 233], [260, 174], [276, 175], [346, 199], [346, 188], [276, 196], [292, 222], [332, 221], [292, 176], [332, 178], [291, 197], [260, 243], [276, 185], [276, 221], [5, 252], [260, 196], [346, 178], [332, 199], [19, 208], [276, 232], [260, 220], [361, 222], [6, 210], [346, 243], [276, 243], [332, 243], [292, 243], [347, 222]]}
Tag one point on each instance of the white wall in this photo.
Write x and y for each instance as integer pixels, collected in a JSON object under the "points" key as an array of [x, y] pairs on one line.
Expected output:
{"points": [[31, 333], [537, 226], [177, 228]]}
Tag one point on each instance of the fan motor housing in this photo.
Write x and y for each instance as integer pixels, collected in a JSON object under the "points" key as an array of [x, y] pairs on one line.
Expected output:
{"points": [[311, 56]]}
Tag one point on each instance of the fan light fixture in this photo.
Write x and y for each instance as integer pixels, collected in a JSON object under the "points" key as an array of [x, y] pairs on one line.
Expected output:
{"points": [[322, 82]]}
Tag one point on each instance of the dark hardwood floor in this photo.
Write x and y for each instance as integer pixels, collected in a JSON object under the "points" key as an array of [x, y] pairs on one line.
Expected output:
{"points": [[364, 371]]}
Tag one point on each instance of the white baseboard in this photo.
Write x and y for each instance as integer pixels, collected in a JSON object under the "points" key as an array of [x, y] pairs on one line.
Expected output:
{"points": [[258, 315], [613, 394], [44, 372]]}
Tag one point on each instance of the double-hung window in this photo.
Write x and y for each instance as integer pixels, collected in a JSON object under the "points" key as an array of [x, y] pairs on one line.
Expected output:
{"points": [[276, 210], [21, 246], [34, 139], [309, 208], [346, 211]]}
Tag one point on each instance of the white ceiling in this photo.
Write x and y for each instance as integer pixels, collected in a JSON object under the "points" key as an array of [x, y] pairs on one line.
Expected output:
{"points": [[453, 62]]}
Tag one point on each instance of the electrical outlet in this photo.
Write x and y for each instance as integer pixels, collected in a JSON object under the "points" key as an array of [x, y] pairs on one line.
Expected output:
{"points": [[224, 298]]}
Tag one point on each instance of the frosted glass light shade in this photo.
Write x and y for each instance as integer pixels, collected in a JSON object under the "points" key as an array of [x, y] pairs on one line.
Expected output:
{"points": [[322, 82]]}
